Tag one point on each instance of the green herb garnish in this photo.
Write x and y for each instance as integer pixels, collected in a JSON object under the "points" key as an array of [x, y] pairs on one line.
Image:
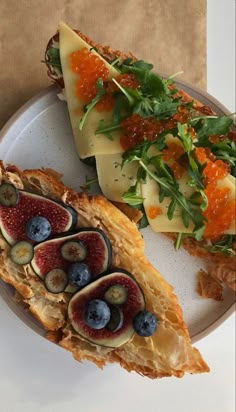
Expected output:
{"points": [[100, 92], [156, 169], [54, 60], [225, 245], [89, 181]]}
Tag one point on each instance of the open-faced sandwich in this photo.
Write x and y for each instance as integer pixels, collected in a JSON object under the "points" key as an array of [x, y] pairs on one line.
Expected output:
{"points": [[162, 157], [78, 264]]}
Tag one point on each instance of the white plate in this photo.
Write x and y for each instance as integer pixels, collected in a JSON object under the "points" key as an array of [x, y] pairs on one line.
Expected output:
{"points": [[39, 135]]}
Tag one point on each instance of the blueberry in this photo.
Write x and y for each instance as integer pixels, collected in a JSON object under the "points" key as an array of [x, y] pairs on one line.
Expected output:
{"points": [[97, 314], [79, 274], [38, 228], [145, 323]]}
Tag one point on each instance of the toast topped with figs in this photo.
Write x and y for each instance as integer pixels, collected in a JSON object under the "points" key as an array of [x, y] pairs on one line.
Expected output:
{"points": [[78, 264]]}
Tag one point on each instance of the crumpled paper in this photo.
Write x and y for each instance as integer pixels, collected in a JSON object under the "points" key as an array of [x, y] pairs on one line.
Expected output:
{"points": [[168, 33]]}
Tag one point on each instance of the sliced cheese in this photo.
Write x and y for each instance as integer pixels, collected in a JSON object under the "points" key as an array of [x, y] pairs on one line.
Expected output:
{"points": [[87, 142], [161, 223], [113, 180]]}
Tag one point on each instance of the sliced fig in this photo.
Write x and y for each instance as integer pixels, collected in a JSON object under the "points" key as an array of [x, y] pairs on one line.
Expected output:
{"points": [[114, 335], [13, 220], [116, 319], [8, 195], [22, 253], [47, 255]]}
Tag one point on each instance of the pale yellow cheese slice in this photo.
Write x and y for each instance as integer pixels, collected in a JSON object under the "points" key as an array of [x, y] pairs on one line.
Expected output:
{"points": [[87, 142], [113, 180], [161, 223]]}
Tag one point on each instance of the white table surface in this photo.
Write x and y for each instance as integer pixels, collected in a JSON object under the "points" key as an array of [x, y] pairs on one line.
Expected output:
{"points": [[37, 376]]}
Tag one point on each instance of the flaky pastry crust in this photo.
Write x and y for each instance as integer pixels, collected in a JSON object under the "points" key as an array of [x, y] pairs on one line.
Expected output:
{"points": [[169, 351]]}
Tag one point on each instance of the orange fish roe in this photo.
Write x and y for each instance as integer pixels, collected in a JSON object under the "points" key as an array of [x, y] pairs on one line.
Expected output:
{"points": [[192, 132], [173, 151], [153, 212], [200, 154], [215, 170], [183, 114], [204, 154], [177, 170], [127, 80], [90, 68], [137, 129], [221, 211], [105, 104]]}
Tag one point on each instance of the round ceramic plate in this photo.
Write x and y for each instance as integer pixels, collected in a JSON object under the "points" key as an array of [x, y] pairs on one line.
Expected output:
{"points": [[39, 135]]}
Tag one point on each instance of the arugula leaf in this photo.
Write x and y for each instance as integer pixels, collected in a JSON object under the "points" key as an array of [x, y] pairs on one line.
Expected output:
{"points": [[171, 209], [150, 83], [144, 107], [211, 126], [225, 245], [168, 186], [100, 92], [194, 168], [165, 108], [178, 241], [188, 210], [88, 183], [106, 130], [121, 109], [144, 221], [54, 60], [226, 151], [131, 197]]}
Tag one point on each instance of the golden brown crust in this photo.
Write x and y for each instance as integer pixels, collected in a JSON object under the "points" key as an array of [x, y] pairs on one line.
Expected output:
{"points": [[169, 351], [208, 287]]}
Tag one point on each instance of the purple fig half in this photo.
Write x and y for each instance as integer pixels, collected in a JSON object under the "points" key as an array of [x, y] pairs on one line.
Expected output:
{"points": [[48, 256], [13, 220], [96, 290]]}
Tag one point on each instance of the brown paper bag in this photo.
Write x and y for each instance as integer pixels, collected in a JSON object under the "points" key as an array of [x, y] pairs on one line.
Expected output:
{"points": [[169, 33]]}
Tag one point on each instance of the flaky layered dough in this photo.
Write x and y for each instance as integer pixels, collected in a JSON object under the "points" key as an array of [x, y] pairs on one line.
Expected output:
{"points": [[169, 351]]}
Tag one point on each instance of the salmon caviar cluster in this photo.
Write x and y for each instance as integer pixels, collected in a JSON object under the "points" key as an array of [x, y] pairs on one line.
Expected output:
{"points": [[106, 103], [173, 151], [90, 68], [177, 170], [221, 209], [136, 129]]}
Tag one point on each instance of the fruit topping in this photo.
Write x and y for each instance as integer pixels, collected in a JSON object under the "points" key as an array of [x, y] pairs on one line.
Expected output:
{"points": [[13, 220], [79, 274], [119, 329], [38, 228], [8, 195], [48, 254], [145, 323], [22, 253], [116, 295], [116, 320], [56, 280], [97, 314], [74, 215], [73, 251]]}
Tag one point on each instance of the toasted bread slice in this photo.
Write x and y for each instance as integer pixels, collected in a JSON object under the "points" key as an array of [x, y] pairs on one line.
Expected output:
{"points": [[169, 351]]}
